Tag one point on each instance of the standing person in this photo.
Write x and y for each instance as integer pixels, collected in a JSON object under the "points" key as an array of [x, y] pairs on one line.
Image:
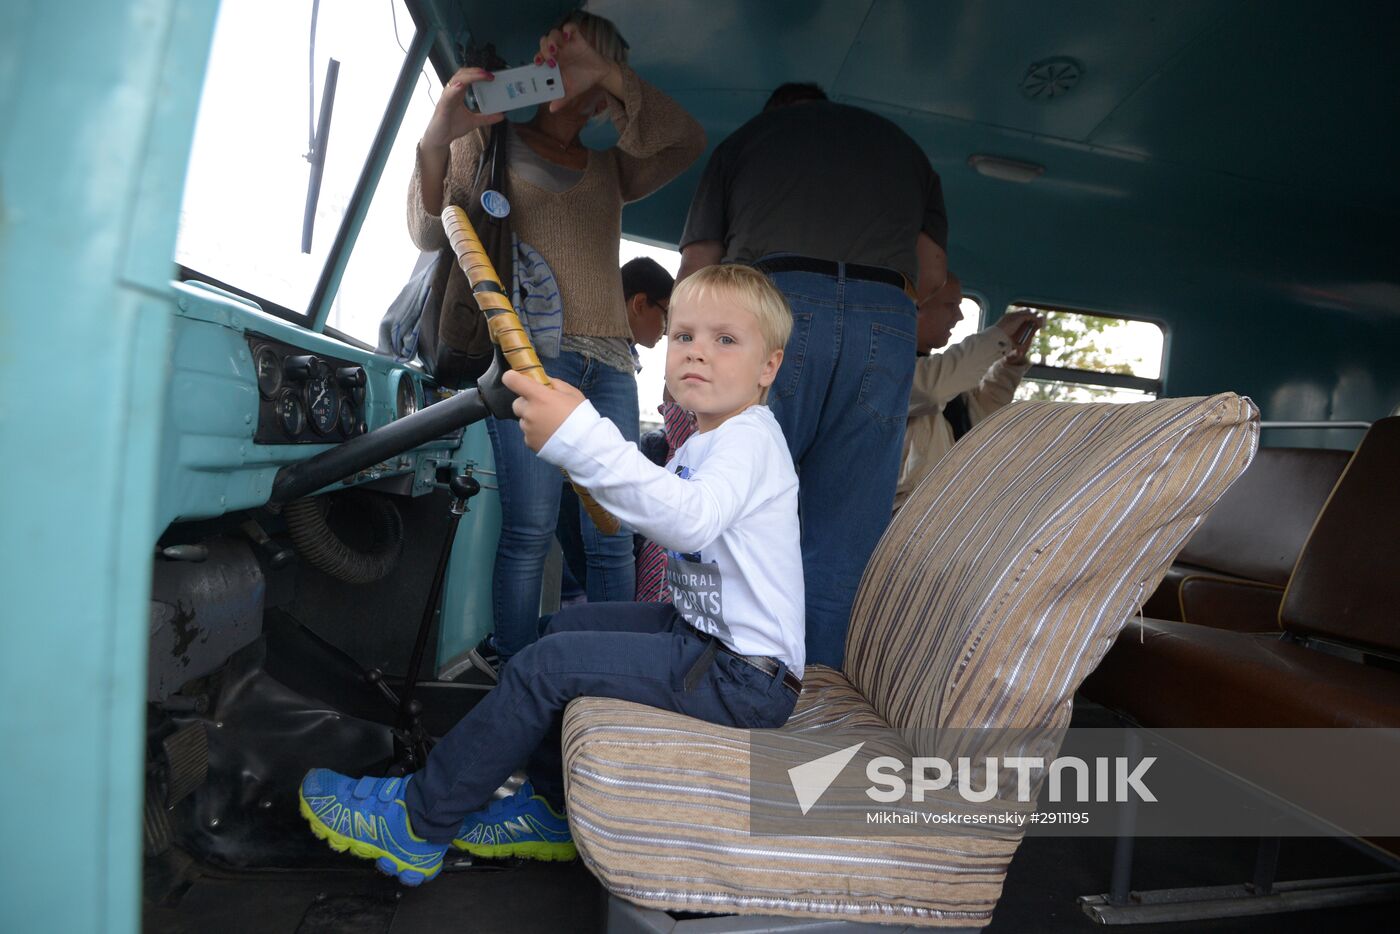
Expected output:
{"points": [[728, 650], [844, 212], [646, 290], [956, 389], [566, 212]]}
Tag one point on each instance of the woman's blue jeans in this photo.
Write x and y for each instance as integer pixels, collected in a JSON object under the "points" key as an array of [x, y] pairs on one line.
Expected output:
{"points": [[530, 489], [842, 399]]}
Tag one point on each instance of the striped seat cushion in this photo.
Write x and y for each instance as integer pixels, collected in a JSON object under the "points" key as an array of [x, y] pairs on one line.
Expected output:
{"points": [[999, 586], [1006, 577], [659, 807]]}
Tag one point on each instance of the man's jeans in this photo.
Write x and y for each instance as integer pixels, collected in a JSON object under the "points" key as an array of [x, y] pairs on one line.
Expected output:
{"points": [[530, 489], [639, 652], [842, 399]]}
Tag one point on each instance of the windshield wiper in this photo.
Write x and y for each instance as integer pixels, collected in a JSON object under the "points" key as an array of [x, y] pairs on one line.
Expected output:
{"points": [[319, 133]]}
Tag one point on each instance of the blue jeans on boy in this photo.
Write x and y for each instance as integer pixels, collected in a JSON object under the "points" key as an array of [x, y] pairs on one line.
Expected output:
{"points": [[530, 489], [639, 652], [842, 399]]}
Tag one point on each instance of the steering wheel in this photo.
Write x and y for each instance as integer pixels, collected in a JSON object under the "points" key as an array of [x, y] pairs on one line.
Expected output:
{"points": [[514, 350]]}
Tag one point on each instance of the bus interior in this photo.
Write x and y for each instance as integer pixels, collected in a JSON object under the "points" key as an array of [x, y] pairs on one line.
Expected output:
{"points": [[281, 554]]}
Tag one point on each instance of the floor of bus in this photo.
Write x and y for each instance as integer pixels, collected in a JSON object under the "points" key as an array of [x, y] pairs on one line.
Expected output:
{"points": [[507, 896], [337, 893]]}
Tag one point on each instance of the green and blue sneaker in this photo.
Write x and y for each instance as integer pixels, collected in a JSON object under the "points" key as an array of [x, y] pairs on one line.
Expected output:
{"points": [[522, 825], [367, 816]]}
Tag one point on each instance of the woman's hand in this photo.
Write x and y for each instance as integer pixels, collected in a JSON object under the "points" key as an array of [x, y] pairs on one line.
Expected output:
{"points": [[541, 409], [452, 118], [580, 65]]}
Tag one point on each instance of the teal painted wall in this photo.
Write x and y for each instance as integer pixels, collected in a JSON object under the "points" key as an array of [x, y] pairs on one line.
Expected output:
{"points": [[97, 102]]}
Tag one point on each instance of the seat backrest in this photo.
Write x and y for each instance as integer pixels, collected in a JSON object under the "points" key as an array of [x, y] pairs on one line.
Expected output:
{"points": [[1007, 574], [1346, 585], [1258, 528]]}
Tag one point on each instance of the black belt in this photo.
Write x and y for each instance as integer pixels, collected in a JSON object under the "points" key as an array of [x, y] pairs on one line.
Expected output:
{"points": [[830, 268], [769, 666]]}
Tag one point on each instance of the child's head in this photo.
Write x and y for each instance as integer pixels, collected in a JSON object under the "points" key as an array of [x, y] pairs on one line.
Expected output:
{"points": [[728, 327], [646, 287]]}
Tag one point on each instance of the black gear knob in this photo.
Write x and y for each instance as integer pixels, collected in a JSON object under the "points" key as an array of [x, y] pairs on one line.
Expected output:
{"points": [[464, 486]]}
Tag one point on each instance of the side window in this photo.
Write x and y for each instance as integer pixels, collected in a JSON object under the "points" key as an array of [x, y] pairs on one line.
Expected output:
{"points": [[246, 192], [1082, 357], [971, 323]]}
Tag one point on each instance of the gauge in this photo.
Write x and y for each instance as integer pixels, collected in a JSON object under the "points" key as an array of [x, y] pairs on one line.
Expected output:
{"points": [[407, 401], [349, 422], [290, 413], [322, 402], [269, 371]]}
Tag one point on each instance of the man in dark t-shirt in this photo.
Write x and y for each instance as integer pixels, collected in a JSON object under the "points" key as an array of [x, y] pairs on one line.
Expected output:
{"points": [[844, 212]]}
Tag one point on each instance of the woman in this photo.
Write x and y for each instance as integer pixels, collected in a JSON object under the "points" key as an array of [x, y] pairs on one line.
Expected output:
{"points": [[566, 209]]}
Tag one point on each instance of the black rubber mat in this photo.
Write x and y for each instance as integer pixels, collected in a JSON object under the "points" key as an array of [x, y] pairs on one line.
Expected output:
{"points": [[505, 896]]}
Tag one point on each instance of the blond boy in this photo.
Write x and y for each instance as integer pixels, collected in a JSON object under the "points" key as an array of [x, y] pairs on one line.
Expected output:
{"points": [[727, 649]]}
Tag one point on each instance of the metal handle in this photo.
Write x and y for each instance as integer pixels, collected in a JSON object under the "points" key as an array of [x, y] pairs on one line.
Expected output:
{"points": [[506, 330]]}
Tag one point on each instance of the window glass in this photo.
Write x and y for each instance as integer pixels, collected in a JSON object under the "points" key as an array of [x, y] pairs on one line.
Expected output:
{"points": [[245, 194], [383, 257], [1073, 346], [971, 321]]}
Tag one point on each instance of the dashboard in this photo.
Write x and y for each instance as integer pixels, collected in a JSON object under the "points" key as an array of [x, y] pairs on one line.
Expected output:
{"points": [[249, 393], [306, 398]]}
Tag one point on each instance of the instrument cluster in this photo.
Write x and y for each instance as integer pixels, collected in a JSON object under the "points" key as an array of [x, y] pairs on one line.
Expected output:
{"points": [[305, 398]]}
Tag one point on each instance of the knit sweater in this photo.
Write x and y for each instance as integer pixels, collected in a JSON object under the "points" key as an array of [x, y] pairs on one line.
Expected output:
{"points": [[577, 231]]}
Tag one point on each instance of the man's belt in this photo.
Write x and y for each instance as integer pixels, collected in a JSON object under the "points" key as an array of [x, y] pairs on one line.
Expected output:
{"points": [[830, 268]]}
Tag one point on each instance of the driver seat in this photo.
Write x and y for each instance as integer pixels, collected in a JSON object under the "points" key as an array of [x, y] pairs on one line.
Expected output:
{"points": [[998, 587]]}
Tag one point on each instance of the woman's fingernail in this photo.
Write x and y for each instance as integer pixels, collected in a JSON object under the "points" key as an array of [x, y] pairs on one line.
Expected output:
{"points": [[551, 63], [553, 48], [539, 59]]}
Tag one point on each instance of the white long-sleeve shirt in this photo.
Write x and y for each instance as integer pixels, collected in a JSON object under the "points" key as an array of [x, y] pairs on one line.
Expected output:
{"points": [[725, 510], [975, 365]]}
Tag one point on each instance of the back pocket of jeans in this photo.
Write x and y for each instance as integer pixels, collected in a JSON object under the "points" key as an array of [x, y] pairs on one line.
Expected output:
{"points": [[790, 373], [889, 370]]}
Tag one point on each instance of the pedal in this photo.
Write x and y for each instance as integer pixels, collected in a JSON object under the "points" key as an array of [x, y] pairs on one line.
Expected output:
{"points": [[156, 826], [186, 761]]}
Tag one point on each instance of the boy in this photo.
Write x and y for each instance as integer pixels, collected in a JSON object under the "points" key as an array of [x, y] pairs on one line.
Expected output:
{"points": [[646, 288], [729, 649]]}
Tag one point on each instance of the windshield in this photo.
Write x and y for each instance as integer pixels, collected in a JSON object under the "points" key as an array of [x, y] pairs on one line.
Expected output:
{"points": [[245, 197]]}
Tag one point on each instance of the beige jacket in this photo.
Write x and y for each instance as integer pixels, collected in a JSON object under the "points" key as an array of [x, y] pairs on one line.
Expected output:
{"points": [[976, 366]]}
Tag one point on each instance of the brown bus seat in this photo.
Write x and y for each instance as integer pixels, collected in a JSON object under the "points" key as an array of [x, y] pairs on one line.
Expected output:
{"points": [[1166, 673], [1334, 664], [1001, 582], [1232, 571]]}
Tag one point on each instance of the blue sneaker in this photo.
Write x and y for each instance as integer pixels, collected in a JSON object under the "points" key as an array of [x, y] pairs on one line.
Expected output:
{"points": [[522, 825], [367, 816]]}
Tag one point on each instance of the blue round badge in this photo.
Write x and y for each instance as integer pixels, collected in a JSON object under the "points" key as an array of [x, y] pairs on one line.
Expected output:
{"points": [[495, 203]]}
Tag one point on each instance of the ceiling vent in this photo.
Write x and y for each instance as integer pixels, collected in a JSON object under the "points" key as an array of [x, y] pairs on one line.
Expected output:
{"points": [[1051, 78]]}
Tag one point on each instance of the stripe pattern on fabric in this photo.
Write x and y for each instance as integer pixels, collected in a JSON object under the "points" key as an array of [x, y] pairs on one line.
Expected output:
{"points": [[998, 587]]}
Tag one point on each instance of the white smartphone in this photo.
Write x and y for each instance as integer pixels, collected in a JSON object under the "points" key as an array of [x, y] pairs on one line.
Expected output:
{"points": [[515, 88]]}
